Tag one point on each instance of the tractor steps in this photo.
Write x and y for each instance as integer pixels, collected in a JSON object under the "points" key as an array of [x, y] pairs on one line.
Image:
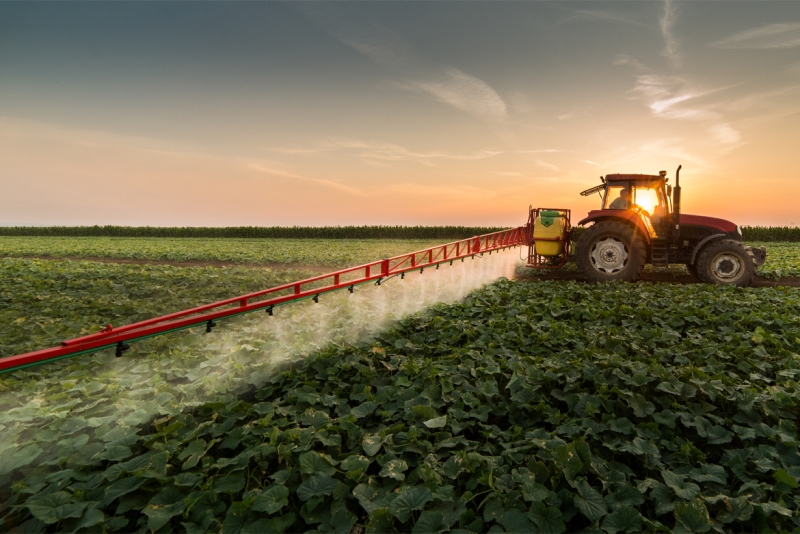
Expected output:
{"points": [[660, 252]]}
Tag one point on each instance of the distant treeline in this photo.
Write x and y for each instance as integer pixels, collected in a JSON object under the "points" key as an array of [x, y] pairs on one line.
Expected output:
{"points": [[771, 233], [750, 233], [285, 232]]}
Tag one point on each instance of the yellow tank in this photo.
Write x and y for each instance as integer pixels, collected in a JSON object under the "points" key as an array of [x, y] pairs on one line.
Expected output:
{"points": [[548, 225]]}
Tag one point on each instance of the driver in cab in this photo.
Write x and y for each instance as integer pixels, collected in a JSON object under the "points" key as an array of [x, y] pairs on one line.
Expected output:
{"points": [[622, 202]]}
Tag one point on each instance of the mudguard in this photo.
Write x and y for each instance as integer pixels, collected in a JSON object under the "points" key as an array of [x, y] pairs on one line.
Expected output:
{"points": [[629, 216]]}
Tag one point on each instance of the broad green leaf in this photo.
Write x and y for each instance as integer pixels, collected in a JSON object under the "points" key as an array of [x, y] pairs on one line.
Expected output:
{"points": [[342, 520], [230, 483], [193, 453], [737, 509], [641, 406], [531, 491], [623, 519], [394, 469], [429, 522], [624, 495], [187, 479], [163, 507], [691, 517], [312, 463], [493, 509], [54, 507], [568, 460], [548, 520], [363, 409], [121, 487], [589, 502], [453, 466], [717, 435], [709, 473], [517, 521], [90, 518], [277, 525], [355, 463], [371, 444], [235, 517], [684, 490], [782, 476], [19, 458], [413, 498], [271, 500], [768, 507], [639, 447], [436, 422], [316, 486], [366, 495], [114, 453]]}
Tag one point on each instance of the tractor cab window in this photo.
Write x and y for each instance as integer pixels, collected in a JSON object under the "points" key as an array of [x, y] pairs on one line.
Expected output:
{"points": [[651, 199], [618, 197], [646, 198]]}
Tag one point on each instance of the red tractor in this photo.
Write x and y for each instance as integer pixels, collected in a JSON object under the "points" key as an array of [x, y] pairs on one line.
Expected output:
{"points": [[639, 222]]}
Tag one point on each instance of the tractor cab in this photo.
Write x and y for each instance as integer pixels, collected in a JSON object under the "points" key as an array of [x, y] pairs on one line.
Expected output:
{"points": [[643, 196]]}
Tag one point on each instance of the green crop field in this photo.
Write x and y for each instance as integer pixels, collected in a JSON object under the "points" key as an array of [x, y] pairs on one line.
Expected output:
{"points": [[527, 406], [288, 252]]}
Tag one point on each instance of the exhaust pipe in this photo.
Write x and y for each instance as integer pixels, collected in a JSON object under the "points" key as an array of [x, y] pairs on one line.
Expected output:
{"points": [[676, 203]]}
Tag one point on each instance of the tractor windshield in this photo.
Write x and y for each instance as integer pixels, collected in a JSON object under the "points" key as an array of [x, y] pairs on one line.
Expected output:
{"points": [[618, 197], [625, 195]]}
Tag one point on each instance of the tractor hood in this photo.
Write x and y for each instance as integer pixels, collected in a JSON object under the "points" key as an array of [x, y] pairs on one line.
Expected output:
{"points": [[722, 225]]}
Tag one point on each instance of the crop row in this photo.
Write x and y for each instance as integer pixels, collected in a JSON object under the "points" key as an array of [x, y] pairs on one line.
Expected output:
{"points": [[528, 407], [52, 301], [273, 232], [783, 259], [289, 252]]}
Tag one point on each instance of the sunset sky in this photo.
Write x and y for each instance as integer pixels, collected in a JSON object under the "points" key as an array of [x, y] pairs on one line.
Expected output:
{"points": [[336, 113]]}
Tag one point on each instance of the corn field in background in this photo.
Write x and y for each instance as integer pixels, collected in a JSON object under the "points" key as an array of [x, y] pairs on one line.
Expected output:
{"points": [[287, 232], [750, 233]]}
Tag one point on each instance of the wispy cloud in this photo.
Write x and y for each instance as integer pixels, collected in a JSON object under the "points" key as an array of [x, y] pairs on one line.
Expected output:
{"points": [[390, 51], [264, 169], [373, 150], [548, 166], [625, 59], [392, 152], [667, 20], [673, 147], [778, 35], [762, 99], [464, 92], [600, 15], [567, 116], [725, 134], [543, 151], [665, 94]]}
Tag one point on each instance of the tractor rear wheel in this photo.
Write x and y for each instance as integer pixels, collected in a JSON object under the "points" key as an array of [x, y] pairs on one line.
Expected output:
{"points": [[610, 250], [726, 261]]}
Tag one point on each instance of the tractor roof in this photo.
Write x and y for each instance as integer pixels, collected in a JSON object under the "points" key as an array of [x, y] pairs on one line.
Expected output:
{"points": [[632, 178]]}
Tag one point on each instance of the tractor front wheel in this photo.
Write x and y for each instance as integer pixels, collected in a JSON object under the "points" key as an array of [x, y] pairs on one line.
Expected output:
{"points": [[728, 262], [610, 250]]}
